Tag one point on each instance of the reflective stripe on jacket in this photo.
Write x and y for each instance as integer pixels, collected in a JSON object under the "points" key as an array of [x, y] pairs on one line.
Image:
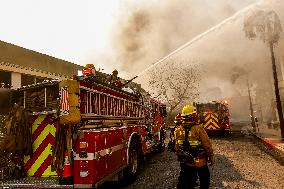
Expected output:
{"points": [[197, 137]]}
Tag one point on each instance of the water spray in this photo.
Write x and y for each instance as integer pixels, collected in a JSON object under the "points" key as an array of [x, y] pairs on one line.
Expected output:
{"points": [[202, 35]]}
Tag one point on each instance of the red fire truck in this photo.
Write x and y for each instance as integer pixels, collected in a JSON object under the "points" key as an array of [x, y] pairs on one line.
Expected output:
{"points": [[214, 116], [92, 128]]}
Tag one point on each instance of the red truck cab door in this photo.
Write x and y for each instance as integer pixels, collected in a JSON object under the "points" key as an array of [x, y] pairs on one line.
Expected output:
{"points": [[90, 162], [115, 150]]}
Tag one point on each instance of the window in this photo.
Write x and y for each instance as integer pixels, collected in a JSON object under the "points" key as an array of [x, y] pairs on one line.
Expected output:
{"points": [[40, 79], [27, 80], [5, 77], [207, 107]]}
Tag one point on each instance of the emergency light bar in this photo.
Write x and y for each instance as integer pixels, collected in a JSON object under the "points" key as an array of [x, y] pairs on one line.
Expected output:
{"points": [[87, 71]]}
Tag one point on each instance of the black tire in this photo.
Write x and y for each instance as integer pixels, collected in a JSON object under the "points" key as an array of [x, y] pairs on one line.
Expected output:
{"points": [[135, 162], [225, 133]]}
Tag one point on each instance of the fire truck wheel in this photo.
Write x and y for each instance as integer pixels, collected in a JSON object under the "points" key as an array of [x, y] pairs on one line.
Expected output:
{"points": [[161, 145], [135, 161], [226, 133]]}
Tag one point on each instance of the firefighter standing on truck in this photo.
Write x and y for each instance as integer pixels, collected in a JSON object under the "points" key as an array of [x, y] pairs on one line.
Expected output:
{"points": [[194, 150]]}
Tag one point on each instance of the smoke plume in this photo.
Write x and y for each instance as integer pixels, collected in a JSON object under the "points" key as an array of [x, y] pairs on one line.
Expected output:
{"points": [[150, 30]]}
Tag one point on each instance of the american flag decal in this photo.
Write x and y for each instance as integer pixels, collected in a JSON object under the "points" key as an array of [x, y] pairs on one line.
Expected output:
{"points": [[64, 106]]}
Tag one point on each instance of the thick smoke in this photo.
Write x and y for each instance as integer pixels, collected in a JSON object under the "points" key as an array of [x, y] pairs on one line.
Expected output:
{"points": [[150, 30], [129, 42]]}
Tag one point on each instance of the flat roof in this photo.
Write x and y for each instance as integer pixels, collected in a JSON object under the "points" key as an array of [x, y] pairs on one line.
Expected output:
{"points": [[14, 54]]}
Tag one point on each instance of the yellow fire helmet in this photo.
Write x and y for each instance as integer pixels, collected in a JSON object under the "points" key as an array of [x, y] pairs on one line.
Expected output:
{"points": [[188, 110], [189, 113], [90, 66]]}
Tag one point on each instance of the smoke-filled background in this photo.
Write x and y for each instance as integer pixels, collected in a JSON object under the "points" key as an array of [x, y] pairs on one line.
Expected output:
{"points": [[149, 30]]}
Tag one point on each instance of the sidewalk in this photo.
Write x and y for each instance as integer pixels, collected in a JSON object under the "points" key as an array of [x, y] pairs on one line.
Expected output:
{"points": [[271, 137]]}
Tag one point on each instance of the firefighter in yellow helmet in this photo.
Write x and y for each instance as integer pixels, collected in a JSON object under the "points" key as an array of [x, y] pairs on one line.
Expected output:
{"points": [[194, 150]]}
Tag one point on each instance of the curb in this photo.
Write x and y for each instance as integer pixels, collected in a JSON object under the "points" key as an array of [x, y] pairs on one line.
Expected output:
{"points": [[276, 148]]}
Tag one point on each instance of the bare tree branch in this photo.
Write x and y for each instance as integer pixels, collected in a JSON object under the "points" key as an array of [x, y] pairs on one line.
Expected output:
{"points": [[175, 84]]}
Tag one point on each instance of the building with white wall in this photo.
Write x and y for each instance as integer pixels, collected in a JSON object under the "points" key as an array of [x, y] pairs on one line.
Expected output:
{"points": [[21, 67]]}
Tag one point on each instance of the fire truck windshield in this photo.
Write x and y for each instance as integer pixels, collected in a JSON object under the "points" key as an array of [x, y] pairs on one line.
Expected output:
{"points": [[209, 107]]}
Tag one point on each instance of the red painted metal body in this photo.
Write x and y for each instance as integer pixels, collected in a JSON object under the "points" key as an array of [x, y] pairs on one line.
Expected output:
{"points": [[106, 154], [214, 116], [103, 126], [112, 119]]}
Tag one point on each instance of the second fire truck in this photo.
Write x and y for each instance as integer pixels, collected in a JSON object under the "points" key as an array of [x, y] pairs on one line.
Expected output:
{"points": [[214, 116]]}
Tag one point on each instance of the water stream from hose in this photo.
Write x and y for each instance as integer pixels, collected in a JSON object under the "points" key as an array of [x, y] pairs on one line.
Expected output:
{"points": [[203, 35]]}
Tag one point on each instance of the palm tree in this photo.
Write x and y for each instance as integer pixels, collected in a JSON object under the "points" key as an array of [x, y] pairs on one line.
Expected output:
{"points": [[266, 25]]}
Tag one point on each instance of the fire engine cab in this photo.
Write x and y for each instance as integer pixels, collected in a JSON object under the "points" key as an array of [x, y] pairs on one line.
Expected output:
{"points": [[92, 128]]}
